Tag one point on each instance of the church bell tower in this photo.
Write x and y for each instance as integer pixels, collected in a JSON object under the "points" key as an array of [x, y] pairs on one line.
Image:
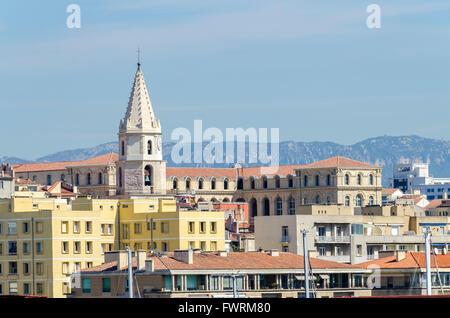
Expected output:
{"points": [[141, 169]]}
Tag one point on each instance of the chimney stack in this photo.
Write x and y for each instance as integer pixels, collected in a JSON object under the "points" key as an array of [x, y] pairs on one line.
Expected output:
{"points": [[141, 255], [400, 255], [149, 265], [186, 256], [222, 253], [274, 253], [120, 256]]}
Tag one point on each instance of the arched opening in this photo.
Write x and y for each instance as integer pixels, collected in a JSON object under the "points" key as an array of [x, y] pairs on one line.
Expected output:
{"points": [[328, 180], [149, 147], [77, 179], [277, 182], [213, 184], [305, 181], [347, 201], [358, 200], [88, 178], [188, 184], [240, 200], [359, 179], [318, 199], [291, 182], [214, 200], [100, 178], [253, 207], [120, 177], [226, 200], [371, 201], [252, 183], [317, 180], [148, 175], [200, 184], [265, 183], [240, 184], [123, 148], [175, 184], [225, 184], [266, 204], [291, 205], [201, 200], [371, 179], [347, 179], [279, 206]]}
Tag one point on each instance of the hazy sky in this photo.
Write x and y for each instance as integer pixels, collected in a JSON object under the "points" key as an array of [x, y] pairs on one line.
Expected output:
{"points": [[311, 68]]}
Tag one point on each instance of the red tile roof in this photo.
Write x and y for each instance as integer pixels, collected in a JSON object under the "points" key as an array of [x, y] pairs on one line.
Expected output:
{"points": [[338, 161], [201, 172], [434, 204], [25, 181], [415, 197], [61, 165], [411, 260], [249, 260], [389, 190]]}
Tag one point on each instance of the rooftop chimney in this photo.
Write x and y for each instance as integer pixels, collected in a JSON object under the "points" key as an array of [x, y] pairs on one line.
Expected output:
{"points": [[400, 255], [149, 265], [222, 253], [141, 255], [274, 253], [120, 256], [186, 256]]}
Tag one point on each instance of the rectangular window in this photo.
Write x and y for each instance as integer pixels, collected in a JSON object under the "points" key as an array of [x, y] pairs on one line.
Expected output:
{"points": [[137, 228], [26, 227], [164, 246], [65, 247], [39, 247], [39, 227], [26, 247], [26, 268], [106, 282], [192, 245], [13, 288], [76, 227], [65, 267], [77, 266], [109, 229], [125, 231], [26, 289], [394, 230], [102, 229], [213, 246], [357, 229], [202, 227], [213, 227], [76, 247], [64, 227], [322, 251], [164, 227], [12, 228], [86, 285], [39, 288], [191, 228], [89, 247], [40, 268], [12, 268], [203, 245], [12, 248], [88, 226], [1, 248], [1, 268]]}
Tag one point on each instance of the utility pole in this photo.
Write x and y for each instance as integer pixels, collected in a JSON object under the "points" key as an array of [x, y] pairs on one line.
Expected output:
{"points": [[235, 293], [130, 273], [427, 260], [305, 264]]}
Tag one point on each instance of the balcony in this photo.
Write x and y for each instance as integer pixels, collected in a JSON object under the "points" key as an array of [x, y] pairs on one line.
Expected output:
{"points": [[284, 239], [338, 258], [332, 239]]}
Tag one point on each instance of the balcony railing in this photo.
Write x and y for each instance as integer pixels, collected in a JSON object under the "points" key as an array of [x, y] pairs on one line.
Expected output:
{"points": [[332, 239]]}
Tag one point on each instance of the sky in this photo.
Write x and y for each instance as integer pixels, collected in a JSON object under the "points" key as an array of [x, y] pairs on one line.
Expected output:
{"points": [[313, 69]]}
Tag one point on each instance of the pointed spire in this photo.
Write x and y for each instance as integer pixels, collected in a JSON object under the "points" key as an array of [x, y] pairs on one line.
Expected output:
{"points": [[139, 114]]}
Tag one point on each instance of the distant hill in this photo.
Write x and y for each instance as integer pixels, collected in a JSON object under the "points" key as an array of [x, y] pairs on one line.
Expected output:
{"points": [[384, 151]]}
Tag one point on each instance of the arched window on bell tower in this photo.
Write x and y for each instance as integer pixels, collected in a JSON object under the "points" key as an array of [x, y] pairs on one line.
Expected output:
{"points": [[148, 175], [149, 147], [122, 146]]}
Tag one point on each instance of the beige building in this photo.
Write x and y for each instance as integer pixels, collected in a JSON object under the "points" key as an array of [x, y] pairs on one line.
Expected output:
{"points": [[337, 233]]}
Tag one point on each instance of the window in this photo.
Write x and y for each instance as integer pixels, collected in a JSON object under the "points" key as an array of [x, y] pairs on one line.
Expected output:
{"points": [[203, 245], [148, 175], [371, 179], [371, 202], [322, 251], [359, 179], [252, 183], [106, 283], [109, 229], [347, 201], [191, 228], [347, 179], [240, 184], [26, 289], [213, 184], [394, 230], [358, 279], [26, 227], [149, 147], [357, 229], [88, 179], [13, 289], [137, 228], [279, 206], [125, 231], [77, 266], [39, 268], [76, 247], [12, 228], [76, 227], [13, 268], [100, 178], [65, 267], [318, 199], [120, 177], [49, 179], [328, 180], [102, 229], [200, 184], [1, 248], [89, 247], [39, 288], [175, 184], [213, 227], [64, 227], [265, 183], [86, 285], [25, 247], [65, 247], [277, 182], [63, 177], [164, 227], [291, 206], [12, 248], [213, 246], [26, 268], [358, 200], [77, 179], [225, 184], [317, 181], [39, 227], [358, 250], [39, 247], [202, 227], [305, 181], [188, 184], [164, 246]]}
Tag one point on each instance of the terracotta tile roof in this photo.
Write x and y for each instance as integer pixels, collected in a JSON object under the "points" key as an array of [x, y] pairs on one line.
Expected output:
{"points": [[415, 197], [25, 181], [434, 204], [250, 260], [201, 172], [61, 165], [273, 171], [387, 191], [338, 161], [411, 260]]}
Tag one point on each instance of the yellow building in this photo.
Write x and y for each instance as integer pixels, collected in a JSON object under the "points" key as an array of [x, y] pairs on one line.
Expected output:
{"points": [[43, 240]]}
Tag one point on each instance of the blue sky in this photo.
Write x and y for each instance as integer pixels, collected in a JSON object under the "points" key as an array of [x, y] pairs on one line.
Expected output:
{"points": [[311, 68]]}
